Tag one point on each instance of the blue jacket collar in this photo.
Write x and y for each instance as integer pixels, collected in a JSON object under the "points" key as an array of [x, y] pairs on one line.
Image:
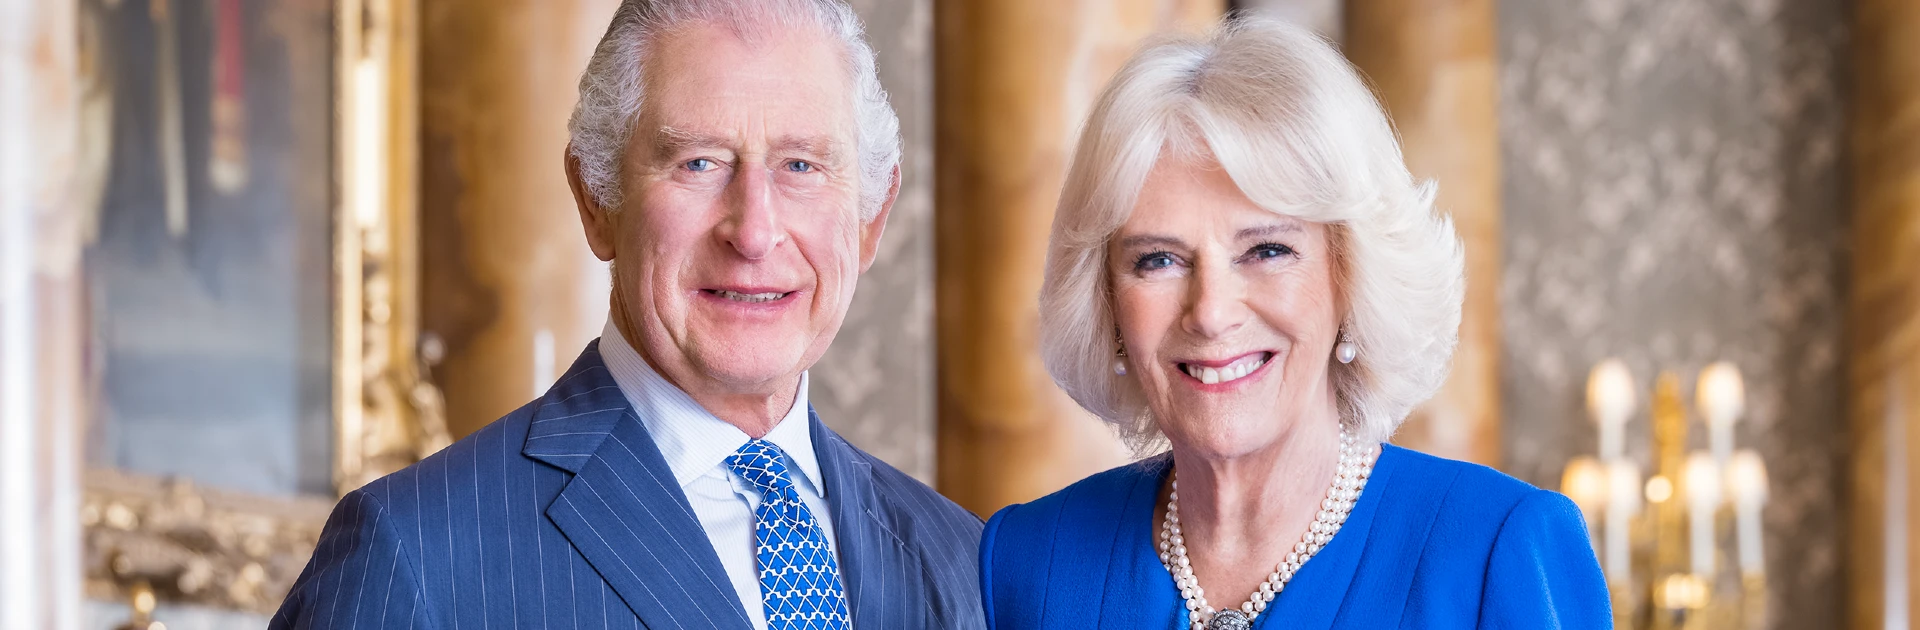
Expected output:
{"points": [[1129, 559], [575, 416]]}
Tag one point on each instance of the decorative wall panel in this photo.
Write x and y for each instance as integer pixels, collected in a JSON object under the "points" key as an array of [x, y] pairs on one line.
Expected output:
{"points": [[1673, 197]]}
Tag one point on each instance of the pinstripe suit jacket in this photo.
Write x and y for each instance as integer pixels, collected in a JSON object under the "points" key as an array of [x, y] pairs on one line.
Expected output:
{"points": [[563, 514]]}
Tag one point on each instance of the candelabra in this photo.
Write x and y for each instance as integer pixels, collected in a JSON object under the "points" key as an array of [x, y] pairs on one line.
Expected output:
{"points": [[1664, 542]]}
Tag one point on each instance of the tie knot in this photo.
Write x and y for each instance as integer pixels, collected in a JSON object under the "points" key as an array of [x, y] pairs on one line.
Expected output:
{"points": [[763, 465]]}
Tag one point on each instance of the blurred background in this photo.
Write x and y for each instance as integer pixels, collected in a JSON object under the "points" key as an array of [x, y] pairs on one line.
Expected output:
{"points": [[254, 253]]}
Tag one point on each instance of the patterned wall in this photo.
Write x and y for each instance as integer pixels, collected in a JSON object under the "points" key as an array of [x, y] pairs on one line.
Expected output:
{"points": [[875, 386], [1673, 196]]}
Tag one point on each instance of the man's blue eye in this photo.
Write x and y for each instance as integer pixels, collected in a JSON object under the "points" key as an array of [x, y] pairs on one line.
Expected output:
{"points": [[699, 164], [799, 167]]}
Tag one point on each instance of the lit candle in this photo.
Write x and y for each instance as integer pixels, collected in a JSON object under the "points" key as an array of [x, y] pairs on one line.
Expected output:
{"points": [[1747, 485], [1702, 488], [1585, 482], [1623, 503], [1721, 396], [1610, 400]]}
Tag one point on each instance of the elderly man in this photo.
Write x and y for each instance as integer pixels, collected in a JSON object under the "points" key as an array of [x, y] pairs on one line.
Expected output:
{"points": [[735, 160]]}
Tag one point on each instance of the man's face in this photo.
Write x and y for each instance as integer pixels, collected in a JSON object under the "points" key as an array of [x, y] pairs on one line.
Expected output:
{"points": [[736, 252]]}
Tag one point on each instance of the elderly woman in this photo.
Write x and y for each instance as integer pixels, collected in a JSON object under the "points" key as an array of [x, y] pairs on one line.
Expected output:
{"points": [[1242, 267]]}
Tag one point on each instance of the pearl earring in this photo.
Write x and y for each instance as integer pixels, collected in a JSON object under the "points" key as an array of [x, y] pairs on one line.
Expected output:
{"points": [[1120, 354], [1346, 351]]}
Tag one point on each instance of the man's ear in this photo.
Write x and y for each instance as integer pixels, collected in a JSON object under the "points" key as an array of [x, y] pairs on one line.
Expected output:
{"points": [[871, 230], [593, 218]]}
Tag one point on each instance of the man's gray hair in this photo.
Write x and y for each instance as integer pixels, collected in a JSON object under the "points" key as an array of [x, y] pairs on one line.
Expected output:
{"points": [[613, 86]]}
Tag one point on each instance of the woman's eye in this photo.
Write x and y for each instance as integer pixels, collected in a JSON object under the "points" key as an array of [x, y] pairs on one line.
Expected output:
{"points": [[699, 165], [798, 166], [1153, 261], [1269, 250]]}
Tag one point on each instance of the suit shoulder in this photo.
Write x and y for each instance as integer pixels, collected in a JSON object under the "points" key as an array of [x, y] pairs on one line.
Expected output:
{"points": [[1543, 511], [1098, 497], [399, 490], [1473, 492], [1029, 546]]}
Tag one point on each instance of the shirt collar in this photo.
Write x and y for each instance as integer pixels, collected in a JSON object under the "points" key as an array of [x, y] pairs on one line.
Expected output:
{"points": [[690, 438]]}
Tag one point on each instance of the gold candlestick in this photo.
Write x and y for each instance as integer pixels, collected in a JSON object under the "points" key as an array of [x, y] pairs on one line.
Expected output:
{"points": [[1691, 558], [1672, 601]]}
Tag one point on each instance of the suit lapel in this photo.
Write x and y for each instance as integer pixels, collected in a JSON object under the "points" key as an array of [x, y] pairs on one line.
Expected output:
{"points": [[623, 510], [884, 580]]}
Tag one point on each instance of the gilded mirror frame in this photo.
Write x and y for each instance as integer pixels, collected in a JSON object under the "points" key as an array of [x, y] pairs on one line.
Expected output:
{"points": [[230, 550]]}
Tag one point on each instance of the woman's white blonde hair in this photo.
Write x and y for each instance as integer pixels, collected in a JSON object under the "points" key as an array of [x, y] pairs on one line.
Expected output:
{"points": [[1293, 125]]}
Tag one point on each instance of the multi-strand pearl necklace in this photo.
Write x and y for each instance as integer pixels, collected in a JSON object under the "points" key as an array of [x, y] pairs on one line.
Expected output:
{"points": [[1356, 464]]}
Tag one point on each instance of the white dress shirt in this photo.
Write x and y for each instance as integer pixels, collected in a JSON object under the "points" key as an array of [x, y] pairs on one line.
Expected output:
{"points": [[696, 444]]}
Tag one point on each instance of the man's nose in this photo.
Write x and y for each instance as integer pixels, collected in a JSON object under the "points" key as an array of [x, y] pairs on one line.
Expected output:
{"points": [[752, 226]]}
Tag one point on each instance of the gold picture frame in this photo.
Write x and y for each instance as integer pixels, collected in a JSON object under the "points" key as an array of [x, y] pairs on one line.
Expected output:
{"points": [[146, 537]]}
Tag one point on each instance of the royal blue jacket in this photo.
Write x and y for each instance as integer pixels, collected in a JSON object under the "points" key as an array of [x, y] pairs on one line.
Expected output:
{"points": [[1431, 543]]}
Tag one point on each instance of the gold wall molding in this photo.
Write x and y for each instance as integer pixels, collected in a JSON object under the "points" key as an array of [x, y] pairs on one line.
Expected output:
{"points": [[389, 415], [199, 545], [237, 551]]}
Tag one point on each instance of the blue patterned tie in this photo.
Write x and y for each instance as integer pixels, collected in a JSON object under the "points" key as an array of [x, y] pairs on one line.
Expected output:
{"points": [[799, 580]]}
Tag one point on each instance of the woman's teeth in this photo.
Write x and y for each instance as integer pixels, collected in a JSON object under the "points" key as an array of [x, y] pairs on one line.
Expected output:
{"points": [[751, 298], [1232, 372]]}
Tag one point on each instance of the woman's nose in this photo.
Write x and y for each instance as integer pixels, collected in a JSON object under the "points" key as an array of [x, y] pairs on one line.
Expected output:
{"points": [[1216, 302]]}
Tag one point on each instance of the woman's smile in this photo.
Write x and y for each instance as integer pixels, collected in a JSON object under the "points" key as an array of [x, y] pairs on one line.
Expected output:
{"points": [[1223, 375]]}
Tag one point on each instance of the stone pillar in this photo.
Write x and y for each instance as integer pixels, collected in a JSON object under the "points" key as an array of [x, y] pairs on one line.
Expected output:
{"points": [[41, 316], [509, 289], [1433, 66], [1013, 82], [1883, 393]]}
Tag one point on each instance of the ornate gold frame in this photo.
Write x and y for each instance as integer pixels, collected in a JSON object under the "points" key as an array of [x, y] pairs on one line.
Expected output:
{"points": [[234, 551]]}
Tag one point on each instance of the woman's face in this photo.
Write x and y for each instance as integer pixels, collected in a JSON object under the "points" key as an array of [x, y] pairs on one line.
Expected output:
{"points": [[1227, 311]]}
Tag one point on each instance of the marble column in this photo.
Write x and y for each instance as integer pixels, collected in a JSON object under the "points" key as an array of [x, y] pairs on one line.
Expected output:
{"points": [[1433, 66], [1884, 316], [1013, 81], [41, 322], [510, 292]]}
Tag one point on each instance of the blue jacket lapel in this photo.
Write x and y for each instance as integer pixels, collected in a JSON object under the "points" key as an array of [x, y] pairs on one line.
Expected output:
{"points": [[623, 510], [1329, 576], [1152, 601], [884, 580], [1393, 558], [1137, 592]]}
